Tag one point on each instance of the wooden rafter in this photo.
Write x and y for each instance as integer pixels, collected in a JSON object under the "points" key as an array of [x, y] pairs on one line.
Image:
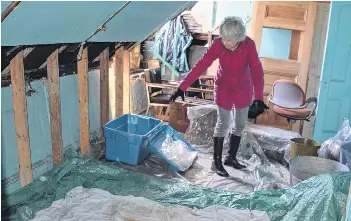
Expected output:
{"points": [[9, 9]]}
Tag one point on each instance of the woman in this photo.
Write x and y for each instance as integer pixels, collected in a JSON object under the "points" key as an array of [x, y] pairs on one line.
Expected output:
{"points": [[238, 81]]}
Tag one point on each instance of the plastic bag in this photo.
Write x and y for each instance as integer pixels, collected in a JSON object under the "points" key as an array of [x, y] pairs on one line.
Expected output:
{"points": [[345, 154], [330, 149], [203, 121], [178, 152]]}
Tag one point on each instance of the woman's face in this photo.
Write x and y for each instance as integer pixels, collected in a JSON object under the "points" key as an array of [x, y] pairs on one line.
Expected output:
{"points": [[228, 44]]}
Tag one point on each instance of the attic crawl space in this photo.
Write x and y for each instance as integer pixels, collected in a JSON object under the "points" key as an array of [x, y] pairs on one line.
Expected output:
{"points": [[89, 129]]}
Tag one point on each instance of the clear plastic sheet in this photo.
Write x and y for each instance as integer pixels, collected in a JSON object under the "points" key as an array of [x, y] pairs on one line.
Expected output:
{"points": [[345, 154], [178, 152], [330, 149], [321, 198], [202, 123], [139, 100], [264, 150]]}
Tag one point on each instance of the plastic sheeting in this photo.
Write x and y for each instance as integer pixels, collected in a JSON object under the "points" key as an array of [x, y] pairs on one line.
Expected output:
{"points": [[95, 204], [265, 150], [171, 43], [331, 148], [319, 198], [178, 152]]}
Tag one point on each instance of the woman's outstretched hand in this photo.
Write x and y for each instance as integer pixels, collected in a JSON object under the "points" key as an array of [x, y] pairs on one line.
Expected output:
{"points": [[175, 95], [258, 107]]}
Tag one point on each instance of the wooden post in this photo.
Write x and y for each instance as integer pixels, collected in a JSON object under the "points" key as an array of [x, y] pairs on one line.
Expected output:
{"points": [[306, 40], [119, 81], [126, 82], [135, 58], [55, 107], [122, 74], [21, 120], [104, 84], [257, 23], [83, 102]]}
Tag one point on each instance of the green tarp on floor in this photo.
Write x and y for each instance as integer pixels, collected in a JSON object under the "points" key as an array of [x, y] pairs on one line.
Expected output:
{"points": [[320, 198]]}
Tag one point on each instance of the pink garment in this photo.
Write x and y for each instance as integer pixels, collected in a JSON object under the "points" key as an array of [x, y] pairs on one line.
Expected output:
{"points": [[239, 77]]}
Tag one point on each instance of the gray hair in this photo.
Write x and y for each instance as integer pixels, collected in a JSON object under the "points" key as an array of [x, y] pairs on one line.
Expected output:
{"points": [[232, 28]]}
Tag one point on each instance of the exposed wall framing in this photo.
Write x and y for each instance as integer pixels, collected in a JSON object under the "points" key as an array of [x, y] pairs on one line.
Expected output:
{"points": [[21, 119], [55, 107], [14, 73], [35, 59], [83, 97], [104, 84], [122, 76]]}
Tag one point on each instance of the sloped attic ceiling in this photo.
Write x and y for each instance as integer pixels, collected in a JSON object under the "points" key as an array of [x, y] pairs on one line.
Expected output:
{"points": [[53, 22]]}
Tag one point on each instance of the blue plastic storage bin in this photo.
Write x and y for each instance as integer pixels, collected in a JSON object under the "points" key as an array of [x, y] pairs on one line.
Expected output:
{"points": [[127, 138], [157, 139]]}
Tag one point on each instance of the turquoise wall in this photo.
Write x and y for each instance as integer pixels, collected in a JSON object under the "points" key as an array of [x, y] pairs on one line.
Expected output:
{"points": [[52, 22], [39, 125], [275, 43]]}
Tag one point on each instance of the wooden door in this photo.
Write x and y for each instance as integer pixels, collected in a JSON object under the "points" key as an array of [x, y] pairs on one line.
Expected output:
{"points": [[335, 86], [300, 18]]}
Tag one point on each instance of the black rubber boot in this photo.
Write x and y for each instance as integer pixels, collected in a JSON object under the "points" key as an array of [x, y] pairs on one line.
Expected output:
{"points": [[230, 159], [217, 165]]}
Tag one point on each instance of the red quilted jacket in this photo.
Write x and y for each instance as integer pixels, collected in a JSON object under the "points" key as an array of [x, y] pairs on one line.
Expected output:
{"points": [[239, 77]]}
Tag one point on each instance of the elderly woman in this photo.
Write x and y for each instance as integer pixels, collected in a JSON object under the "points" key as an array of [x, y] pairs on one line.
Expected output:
{"points": [[238, 85]]}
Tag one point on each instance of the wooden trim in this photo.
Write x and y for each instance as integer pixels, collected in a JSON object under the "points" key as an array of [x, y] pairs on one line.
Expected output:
{"points": [[170, 86], [280, 66], [21, 119], [284, 24], [55, 107], [294, 45], [326, 2], [119, 81], [104, 87], [304, 56], [257, 23], [294, 4], [83, 93], [126, 82], [306, 47]]}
